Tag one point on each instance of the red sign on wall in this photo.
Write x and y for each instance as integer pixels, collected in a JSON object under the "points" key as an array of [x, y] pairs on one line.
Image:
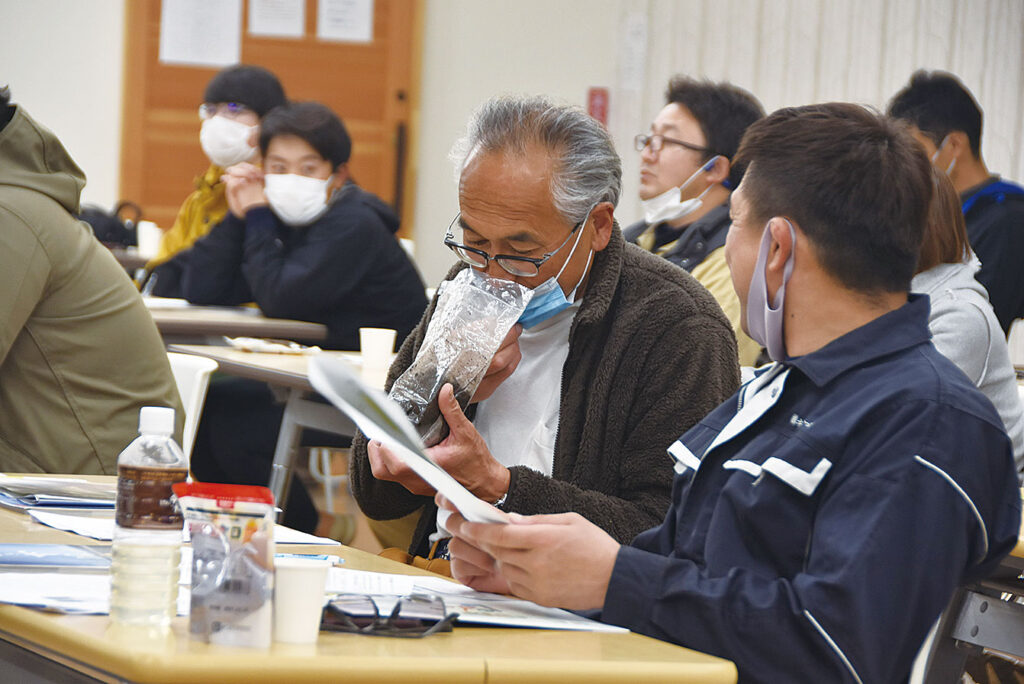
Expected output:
{"points": [[597, 104]]}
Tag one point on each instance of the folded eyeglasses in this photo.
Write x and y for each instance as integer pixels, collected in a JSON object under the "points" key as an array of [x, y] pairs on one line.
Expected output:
{"points": [[415, 616]]}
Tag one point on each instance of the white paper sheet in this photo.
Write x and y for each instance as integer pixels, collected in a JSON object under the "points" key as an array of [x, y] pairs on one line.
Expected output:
{"points": [[277, 18], [201, 32], [349, 21], [152, 302], [102, 528], [473, 607], [380, 418], [66, 592]]}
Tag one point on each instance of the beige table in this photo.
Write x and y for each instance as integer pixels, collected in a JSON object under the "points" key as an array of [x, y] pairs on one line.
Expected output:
{"points": [[210, 323], [301, 409], [37, 646]]}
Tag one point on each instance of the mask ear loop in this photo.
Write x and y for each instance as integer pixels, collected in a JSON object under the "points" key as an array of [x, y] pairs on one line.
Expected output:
{"points": [[590, 255], [938, 151], [704, 169]]}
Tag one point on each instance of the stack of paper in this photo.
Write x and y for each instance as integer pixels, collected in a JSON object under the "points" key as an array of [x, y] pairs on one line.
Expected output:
{"points": [[473, 607], [102, 528], [23, 491]]}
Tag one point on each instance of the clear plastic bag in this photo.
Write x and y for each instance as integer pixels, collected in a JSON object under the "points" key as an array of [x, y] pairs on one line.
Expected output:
{"points": [[474, 313], [232, 534]]}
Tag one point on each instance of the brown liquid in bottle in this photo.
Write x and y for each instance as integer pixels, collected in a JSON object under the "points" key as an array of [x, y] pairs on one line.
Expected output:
{"points": [[144, 497]]}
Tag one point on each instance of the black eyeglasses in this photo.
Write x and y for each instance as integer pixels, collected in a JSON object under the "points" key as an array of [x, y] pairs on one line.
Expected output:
{"points": [[230, 110], [525, 267], [415, 616], [657, 142]]}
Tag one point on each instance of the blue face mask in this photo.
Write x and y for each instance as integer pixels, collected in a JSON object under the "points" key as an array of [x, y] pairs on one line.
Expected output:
{"points": [[548, 297]]}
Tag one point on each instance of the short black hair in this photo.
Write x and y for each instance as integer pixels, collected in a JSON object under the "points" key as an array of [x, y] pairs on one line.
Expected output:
{"points": [[252, 86], [723, 111], [313, 122], [858, 185], [937, 103]]}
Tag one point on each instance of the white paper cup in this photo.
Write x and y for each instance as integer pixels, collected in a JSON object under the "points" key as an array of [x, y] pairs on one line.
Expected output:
{"points": [[298, 598], [376, 346], [149, 236]]}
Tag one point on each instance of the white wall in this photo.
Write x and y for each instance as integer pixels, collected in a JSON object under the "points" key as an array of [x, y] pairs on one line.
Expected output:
{"points": [[474, 50], [63, 60]]}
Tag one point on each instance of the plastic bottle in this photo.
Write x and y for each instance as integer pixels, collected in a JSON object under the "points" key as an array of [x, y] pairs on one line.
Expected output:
{"points": [[147, 538]]}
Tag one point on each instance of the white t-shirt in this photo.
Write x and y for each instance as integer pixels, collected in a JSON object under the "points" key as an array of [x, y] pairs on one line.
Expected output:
{"points": [[519, 420]]}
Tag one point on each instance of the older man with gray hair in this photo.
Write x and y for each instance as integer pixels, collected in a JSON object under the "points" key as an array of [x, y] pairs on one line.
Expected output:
{"points": [[602, 372]]}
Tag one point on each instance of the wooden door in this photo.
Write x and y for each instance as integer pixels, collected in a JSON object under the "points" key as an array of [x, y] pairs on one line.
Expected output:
{"points": [[373, 87]]}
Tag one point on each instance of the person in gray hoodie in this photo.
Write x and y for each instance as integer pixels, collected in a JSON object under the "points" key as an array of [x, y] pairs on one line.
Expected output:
{"points": [[79, 353], [963, 325]]}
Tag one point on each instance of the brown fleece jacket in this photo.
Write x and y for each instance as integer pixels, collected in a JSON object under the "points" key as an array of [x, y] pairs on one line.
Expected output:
{"points": [[650, 353]]}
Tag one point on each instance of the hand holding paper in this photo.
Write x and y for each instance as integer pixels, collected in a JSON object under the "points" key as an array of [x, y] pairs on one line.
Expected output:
{"points": [[560, 560], [382, 420], [463, 454]]}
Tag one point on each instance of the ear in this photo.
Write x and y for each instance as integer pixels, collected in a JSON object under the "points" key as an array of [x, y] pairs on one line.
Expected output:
{"points": [[719, 172], [781, 247], [254, 137], [602, 216], [959, 145], [340, 176]]}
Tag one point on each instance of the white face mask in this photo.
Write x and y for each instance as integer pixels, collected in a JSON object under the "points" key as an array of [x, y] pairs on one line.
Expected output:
{"points": [[296, 200], [226, 141], [669, 205]]}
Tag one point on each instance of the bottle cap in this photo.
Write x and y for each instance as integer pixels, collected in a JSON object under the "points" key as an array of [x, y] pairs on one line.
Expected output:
{"points": [[156, 420]]}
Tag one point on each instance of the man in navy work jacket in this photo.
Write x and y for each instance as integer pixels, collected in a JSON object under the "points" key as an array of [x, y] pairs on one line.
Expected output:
{"points": [[821, 517]]}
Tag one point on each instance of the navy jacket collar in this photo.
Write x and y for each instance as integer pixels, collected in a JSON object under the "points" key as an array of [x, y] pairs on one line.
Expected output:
{"points": [[895, 331]]}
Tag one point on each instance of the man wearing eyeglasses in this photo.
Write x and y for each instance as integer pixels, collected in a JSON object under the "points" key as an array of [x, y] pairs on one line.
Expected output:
{"points": [[685, 181], [823, 516], [616, 350], [234, 102]]}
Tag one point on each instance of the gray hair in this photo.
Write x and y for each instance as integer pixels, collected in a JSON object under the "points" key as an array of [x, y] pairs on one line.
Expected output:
{"points": [[587, 168]]}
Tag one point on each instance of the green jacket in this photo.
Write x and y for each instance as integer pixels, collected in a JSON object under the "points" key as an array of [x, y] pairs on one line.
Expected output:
{"points": [[79, 353]]}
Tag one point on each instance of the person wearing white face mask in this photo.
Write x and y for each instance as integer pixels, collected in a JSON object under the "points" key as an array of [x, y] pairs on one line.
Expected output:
{"points": [[302, 241], [823, 516], [947, 121], [685, 182], [234, 102], [615, 350]]}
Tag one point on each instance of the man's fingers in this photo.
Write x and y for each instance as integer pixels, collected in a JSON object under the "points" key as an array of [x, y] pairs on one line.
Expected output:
{"points": [[386, 466], [471, 555], [544, 519], [450, 408], [375, 453]]}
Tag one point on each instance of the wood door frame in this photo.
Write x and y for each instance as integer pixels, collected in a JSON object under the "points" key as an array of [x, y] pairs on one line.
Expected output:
{"points": [[133, 108]]}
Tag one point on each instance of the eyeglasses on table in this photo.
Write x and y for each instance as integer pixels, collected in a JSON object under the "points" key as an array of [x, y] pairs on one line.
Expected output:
{"points": [[415, 616]]}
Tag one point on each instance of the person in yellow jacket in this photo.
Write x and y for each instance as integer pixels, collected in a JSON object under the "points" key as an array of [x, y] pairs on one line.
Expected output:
{"points": [[686, 179], [235, 101]]}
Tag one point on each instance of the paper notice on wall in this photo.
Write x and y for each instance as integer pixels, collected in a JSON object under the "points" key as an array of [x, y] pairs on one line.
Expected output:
{"points": [[277, 18], [206, 33], [349, 21]]}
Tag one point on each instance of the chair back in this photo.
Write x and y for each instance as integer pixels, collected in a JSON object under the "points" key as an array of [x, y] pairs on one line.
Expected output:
{"points": [[192, 375]]}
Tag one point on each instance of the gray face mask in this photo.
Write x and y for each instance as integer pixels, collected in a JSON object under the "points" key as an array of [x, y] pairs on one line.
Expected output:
{"points": [[765, 319]]}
